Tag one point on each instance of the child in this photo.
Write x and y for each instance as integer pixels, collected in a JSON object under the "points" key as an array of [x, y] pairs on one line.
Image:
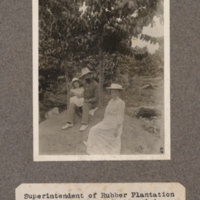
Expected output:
{"points": [[76, 93]]}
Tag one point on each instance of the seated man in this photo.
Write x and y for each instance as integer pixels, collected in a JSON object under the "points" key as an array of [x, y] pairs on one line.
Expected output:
{"points": [[91, 98]]}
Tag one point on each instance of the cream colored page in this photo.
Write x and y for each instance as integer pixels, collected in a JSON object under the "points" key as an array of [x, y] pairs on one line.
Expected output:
{"points": [[104, 191]]}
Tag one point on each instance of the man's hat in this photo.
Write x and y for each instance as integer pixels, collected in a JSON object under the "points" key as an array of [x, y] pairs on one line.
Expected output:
{"points": [[115, 86], [85, 71]]}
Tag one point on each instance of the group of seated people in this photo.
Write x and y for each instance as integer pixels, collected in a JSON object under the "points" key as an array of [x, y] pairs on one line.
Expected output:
{"points": [[104, 137]]}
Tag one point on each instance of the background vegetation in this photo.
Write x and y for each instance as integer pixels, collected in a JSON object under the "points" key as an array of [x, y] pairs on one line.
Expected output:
{"points": [[100, 38]]}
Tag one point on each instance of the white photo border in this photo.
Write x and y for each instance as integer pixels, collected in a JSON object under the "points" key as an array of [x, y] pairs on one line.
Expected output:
{"points": [[167, 139]]}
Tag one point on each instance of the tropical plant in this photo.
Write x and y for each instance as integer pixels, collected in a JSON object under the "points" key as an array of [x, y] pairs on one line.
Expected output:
{"points": [[99, 36]]}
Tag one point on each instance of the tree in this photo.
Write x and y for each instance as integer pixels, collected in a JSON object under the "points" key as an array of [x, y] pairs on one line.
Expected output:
{"points": [[60, 25], [113, 23], [105, 29]]}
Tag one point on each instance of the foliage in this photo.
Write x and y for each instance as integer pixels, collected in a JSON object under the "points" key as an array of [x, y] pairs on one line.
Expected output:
{"points": [[113, 23], [117, 65], [99, 37]]}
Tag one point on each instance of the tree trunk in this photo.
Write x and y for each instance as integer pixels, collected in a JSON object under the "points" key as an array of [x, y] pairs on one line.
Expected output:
{"points": [[101, 78], [140, 85], [67, 81]]}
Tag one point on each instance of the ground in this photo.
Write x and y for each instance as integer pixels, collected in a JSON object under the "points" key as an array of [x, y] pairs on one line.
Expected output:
{"points": [[136, 139], [54, 141]]}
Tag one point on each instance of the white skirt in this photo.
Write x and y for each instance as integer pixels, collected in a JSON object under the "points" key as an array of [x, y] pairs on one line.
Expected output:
{"points": [[77, 101], [101, 139]]}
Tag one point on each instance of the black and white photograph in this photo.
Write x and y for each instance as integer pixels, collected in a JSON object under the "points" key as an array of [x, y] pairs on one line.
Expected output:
{"points": [[101, 80]]}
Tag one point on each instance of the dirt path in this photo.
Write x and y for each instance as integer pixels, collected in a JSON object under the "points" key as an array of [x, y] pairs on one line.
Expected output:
{"points": [[54, 141]]}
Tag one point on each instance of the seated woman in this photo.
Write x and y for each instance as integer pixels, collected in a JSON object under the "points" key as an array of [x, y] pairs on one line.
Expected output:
{"points": [[105, 137], [76, 93]]}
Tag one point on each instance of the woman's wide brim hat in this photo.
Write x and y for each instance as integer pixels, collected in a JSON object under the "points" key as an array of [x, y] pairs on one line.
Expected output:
{"points": [[115, 86], [75, 80], [85, 71]]}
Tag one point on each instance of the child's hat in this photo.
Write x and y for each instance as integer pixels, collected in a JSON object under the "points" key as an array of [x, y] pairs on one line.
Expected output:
{"points": [[75, 79], [115, 86]]}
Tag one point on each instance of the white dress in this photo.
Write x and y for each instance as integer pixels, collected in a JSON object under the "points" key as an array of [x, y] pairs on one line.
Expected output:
{"points": [[101, 139], [77, 101]]}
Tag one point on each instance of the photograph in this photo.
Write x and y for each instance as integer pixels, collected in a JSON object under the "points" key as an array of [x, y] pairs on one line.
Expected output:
{"points": [[101, 80]]}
